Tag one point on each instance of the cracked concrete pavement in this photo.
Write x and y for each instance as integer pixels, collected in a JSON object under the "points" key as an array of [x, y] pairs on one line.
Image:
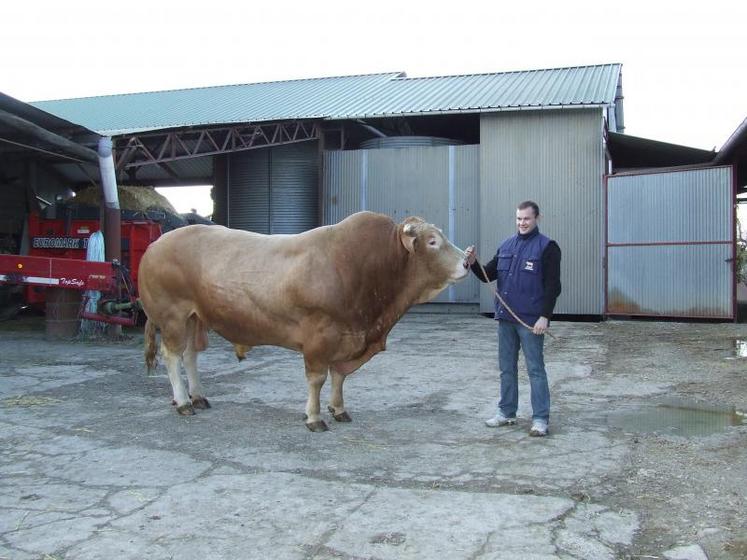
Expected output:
{"points": [[96, 464]]}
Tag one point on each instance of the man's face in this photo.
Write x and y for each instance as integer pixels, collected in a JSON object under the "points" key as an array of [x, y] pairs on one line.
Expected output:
{"points": [[526, 221]]}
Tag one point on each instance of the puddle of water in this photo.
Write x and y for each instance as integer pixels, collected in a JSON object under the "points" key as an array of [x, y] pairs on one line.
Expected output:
{"points": [[680, 418]]}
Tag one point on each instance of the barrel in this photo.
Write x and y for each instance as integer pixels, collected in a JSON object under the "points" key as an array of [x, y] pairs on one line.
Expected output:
{"points": [[63, 307]]}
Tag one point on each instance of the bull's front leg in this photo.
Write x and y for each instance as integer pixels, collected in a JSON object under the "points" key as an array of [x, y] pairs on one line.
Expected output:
{"points": [[336, 402], [316, 375]]}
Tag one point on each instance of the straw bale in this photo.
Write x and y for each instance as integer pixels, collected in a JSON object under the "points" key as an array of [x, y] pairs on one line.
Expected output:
{"points": [[130, 198]]}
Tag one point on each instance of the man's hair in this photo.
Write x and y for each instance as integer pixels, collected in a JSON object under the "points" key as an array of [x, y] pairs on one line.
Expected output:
{"points": [[530, 204]]}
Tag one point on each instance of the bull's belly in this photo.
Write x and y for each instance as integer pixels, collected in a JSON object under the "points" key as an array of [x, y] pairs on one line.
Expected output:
{"points": [[324, 343], [257, 337]]}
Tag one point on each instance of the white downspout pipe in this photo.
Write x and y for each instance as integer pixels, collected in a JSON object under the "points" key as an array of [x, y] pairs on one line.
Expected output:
{"points": [[112, 226]]}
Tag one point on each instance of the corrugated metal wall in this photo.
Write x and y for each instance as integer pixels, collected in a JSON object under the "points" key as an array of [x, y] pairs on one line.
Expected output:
{"points": [[343, 184], [556, 159], [440, 184], [274, 190], [670, 244]]}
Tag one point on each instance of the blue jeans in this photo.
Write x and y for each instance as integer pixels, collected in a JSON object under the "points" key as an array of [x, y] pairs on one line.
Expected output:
{"points": [[512, 336]]}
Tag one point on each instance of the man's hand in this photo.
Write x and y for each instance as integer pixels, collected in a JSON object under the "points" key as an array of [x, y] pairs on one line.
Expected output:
{"points": [[540, 327], [469, 256]]}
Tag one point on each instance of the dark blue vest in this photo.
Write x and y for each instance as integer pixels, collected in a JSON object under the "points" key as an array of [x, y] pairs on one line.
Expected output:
{"points": [[520, 277]]}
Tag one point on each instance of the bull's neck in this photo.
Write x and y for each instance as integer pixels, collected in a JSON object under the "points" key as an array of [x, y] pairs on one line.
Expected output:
{"points": [[413, 285]]}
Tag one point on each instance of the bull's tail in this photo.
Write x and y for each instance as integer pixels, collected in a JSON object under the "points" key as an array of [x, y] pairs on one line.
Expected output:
{"points": [[150, 346]]}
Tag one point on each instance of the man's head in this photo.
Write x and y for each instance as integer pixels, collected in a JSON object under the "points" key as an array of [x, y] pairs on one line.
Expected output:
{"points": [[527, 214]]}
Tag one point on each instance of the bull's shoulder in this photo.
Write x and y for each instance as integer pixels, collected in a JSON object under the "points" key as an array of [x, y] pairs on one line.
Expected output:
{"points": [[367, 217], [364, 226]]}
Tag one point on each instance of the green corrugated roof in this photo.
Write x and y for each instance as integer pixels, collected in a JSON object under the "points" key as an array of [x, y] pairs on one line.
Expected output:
{"points": [[346, 97]]}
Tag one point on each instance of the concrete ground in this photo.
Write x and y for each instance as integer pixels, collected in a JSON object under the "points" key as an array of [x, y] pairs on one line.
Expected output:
{"points": [[95, 463]]}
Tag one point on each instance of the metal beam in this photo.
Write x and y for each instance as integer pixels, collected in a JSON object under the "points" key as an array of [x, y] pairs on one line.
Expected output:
{"points": [[158, 148]]}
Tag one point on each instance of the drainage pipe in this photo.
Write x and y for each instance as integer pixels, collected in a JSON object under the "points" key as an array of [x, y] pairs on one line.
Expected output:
{"points": [[371, 129], [112, 226], [65, 146]]}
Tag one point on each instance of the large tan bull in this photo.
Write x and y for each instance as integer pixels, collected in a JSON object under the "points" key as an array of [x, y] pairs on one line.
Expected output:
{"points": [[332, 293]]}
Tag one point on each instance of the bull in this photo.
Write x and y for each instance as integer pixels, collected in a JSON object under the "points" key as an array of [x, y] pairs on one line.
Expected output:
{"points": [[332, 293]]}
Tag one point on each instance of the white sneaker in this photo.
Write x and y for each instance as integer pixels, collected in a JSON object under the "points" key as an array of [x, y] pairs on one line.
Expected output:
{"points": [[499, 420], [539, 428]]}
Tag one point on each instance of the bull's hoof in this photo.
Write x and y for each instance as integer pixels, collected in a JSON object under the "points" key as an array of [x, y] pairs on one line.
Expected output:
{"points": [[319, 426], [342, 417], [185, 410], [200, 402]]}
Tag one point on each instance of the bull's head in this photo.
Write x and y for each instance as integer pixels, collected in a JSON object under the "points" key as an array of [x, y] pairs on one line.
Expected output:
{"points": [[437, 261]]}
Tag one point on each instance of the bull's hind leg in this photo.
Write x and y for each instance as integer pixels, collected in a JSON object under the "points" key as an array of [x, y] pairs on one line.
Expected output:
{"points": [[173, 343], [316, 375], [196, 342], [181, 397], [336, 402]]}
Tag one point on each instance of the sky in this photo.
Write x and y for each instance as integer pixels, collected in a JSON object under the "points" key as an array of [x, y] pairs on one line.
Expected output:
{"points": [[684, 62]]}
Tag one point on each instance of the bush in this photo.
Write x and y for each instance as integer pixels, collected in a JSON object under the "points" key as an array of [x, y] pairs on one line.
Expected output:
{"points": [[740, 268]]}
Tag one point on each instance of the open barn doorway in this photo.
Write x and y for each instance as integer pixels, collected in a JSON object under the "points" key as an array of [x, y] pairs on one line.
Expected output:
{"points": [[193, 199]]}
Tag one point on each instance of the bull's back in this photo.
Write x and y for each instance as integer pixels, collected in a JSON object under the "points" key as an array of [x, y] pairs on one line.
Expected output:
{"points": [[181, 257], [216, 248], [233, 280]]}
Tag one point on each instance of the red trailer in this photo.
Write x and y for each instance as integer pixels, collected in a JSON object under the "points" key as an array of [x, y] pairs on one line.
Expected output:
{"points": [[57, 260], [118, 300], [68, 239]]}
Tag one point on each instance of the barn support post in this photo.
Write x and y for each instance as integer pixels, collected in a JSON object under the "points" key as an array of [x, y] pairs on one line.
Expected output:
{"points": [[320, 214]]}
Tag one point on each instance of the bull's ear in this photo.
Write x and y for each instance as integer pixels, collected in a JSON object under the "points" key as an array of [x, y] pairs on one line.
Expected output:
{"points": [[408, 236]]}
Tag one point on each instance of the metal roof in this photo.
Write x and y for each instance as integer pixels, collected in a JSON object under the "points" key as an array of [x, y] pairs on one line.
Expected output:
{"points": [[346, 97], [45, 134], [561, 87], [113, 115], [39, 117], [734, 152], [632, 152]]}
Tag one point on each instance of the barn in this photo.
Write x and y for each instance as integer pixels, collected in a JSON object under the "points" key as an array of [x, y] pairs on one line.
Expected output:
{"points": [[461, 151]]}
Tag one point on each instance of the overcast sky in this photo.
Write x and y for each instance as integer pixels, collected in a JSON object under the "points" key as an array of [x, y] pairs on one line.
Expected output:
{"points": [[684, 62]]}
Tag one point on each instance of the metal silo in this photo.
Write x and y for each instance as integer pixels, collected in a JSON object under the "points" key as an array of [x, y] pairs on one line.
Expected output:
{"points": [[274, 190]]}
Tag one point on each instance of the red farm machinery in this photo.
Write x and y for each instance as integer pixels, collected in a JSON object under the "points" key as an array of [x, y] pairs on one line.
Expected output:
{"points": [[55, 274]]}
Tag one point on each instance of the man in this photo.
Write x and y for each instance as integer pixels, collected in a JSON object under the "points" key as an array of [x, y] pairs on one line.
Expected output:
{"points": [[527, 269]]}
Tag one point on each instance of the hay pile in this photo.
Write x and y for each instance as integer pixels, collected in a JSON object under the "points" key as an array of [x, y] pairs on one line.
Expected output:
{"points": [[130, 198], [29, 400]]}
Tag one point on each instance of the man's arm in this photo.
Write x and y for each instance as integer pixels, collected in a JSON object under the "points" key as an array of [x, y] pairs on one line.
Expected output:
{"points": [[491, 269]]}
